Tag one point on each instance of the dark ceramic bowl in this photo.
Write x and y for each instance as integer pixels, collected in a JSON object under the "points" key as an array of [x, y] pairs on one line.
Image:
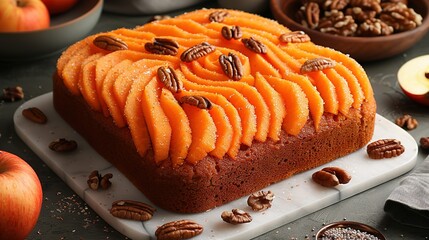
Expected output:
{"points": [[360, 48], [352, 225], [65, 29]]}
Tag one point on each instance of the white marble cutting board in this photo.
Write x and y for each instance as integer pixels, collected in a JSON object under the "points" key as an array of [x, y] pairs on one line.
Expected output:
{"points": [[294, 197]]}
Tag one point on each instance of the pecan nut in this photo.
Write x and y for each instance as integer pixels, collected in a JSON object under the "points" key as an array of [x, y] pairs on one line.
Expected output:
{"points": [[168, 77], [294, 37], [385, 148], [360, 15], [231, 66], [407, 122], [373, 5], [218, 16], [196, 52], [95, 180], [156, 18], [335, 22], [311, 14], [260, 201], [254, 45], [12, 94], [331, 176], [335, 4], [317, 64], [424, 142], [109, 43], [132, 210], [231, 33], [105, 181], [236, 216], [162, 46], [63, 145], [35, 115], [374, 27], [178, 230], [197, 101], [400, 17]]}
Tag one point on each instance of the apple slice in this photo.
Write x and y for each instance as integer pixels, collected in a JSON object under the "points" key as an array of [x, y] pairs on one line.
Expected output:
{"points": [[414, 80]]}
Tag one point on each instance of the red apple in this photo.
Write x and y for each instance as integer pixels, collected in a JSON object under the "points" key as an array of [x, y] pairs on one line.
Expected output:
{"points": [[59, 6], [23, 15], [20, 197], [413, 78]]}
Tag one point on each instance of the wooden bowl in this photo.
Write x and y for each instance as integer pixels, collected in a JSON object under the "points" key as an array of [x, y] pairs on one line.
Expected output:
{"points": [[362, 49]]}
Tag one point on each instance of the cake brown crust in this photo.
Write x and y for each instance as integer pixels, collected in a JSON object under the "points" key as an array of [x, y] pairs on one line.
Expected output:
{"points": [[213, 182]]}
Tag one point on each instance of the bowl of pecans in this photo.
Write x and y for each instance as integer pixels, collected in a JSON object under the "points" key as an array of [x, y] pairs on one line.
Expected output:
{"points": [[367, 30]]}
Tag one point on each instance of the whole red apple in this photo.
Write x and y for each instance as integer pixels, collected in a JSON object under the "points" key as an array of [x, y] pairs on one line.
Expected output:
{"points": [[413, 78], [59, 6], [23, 15], [20, 197]]}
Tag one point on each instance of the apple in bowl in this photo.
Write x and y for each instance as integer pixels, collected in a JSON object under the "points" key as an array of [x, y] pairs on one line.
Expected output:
{"points": [[20, 197], [413, 78], [59, 6], [23, 15]]}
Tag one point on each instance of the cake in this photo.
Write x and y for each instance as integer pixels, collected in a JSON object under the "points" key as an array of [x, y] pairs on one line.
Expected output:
{"points": [[212, 105]]}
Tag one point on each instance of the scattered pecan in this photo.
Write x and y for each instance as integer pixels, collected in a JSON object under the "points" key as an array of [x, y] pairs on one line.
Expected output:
{"points": [[331, 176], [109, 43], [294, 37], [424, 143], [407, 122], [63, 145], [168, 77], [133, 210], [158, 18], [178, 230], [317, 64], [105, 181], [196, 52], [198, 101], [427, 75], [230, 33], [236, 216], [95, 180], [35, 115], [385, 148], [231, 66], [260, 201], [374, 27], [163, 46], [254, 45], [12, 94], [218, 16]]}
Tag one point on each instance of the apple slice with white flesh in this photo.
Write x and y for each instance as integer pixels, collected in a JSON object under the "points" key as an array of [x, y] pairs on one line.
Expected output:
{"points": [[413, 78], [20, 197]]}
